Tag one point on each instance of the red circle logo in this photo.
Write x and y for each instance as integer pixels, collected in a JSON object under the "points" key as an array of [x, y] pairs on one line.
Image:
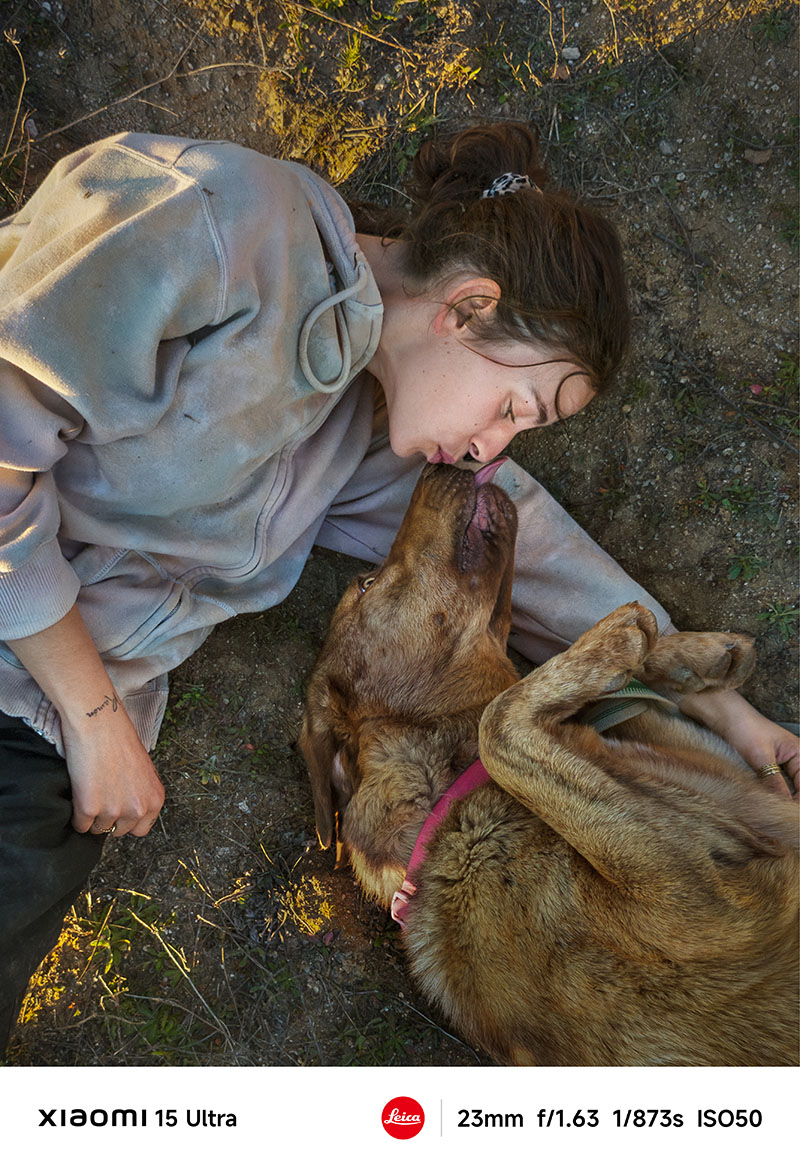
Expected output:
{"points": [[403, 1118]]}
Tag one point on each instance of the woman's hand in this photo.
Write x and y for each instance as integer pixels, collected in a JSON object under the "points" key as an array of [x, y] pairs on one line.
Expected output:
{"points": [[113, 778], [758, 740], [114, 782]]}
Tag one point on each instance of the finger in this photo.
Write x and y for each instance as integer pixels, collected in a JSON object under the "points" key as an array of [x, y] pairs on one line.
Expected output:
{"points": [[125, 824], [791, 768], [81, 821], [778, 785], [139, 821], [144, 825], [91, 820]]}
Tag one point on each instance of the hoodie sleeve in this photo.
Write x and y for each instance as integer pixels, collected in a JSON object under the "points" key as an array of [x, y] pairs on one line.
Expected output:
{"points": [[115, 254]]}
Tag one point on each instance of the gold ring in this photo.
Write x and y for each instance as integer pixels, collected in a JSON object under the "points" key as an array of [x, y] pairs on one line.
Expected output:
{"points": [[769, 769], [104, 831]]}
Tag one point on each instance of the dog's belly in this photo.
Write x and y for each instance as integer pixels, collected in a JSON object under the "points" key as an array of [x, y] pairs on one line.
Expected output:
{"points": [[538, 960]]}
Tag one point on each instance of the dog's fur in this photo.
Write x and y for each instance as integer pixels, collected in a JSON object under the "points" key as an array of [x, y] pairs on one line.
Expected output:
{"points": [[627, 899]]}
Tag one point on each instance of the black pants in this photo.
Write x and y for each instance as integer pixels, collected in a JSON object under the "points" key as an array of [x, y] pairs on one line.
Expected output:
{"points": [[44, 863]]}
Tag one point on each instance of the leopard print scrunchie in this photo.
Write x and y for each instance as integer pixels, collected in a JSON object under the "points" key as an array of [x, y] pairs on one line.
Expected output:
{"points": [[508, 183]]}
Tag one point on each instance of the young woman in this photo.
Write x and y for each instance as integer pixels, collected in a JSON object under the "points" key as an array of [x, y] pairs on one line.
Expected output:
{"points": [[204, 370]]}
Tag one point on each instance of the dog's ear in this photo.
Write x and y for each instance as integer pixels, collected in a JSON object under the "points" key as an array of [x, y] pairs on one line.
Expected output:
{"points": [[331, 772], [500, 623]]}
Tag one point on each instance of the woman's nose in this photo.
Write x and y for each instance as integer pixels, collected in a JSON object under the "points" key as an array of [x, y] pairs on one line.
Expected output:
{"points": [[484, 448]]}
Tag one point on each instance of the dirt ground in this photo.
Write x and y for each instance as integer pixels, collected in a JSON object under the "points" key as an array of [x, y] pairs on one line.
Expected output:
{"points": [[226, 936]]}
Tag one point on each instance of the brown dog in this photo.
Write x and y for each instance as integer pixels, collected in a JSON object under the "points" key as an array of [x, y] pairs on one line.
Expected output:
{"points": [[627, 899]]}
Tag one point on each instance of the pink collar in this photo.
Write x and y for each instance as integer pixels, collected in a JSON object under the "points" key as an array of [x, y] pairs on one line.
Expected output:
{"points": [[473, 777]]}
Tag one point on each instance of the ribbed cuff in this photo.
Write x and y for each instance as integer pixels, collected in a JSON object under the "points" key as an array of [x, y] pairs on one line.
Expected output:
{"points": [[39, 593]]}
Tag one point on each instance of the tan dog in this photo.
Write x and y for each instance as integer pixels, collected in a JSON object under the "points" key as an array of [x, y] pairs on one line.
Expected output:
{"points": [[627, 899]]}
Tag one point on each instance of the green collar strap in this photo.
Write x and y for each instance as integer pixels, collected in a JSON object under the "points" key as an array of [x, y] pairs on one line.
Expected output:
{"points": [[621, 705]]}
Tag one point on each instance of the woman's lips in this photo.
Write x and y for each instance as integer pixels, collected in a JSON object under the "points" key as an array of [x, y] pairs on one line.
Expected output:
{"points": [[441, 457]]}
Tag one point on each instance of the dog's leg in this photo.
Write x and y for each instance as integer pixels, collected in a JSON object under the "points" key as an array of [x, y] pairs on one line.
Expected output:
{"points": [[602, 660], [599, 795]]}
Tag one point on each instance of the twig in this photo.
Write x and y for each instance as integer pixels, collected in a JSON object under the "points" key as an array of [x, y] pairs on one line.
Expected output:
{"points": [[152, 85], [15, 43], [614, 29]]}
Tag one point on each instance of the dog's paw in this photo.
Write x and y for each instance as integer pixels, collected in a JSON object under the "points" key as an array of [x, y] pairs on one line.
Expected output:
{"points": [[618, 645], [689, 662]]}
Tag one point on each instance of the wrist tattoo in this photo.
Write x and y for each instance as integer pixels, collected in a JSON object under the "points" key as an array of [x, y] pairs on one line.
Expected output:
{"points": [[109, 699]]}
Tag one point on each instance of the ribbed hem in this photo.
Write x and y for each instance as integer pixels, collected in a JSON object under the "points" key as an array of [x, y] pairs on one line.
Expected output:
{"points": [[39, 593]]}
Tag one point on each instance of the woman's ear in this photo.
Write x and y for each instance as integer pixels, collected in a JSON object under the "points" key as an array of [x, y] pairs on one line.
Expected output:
{"points": [[465, 300]]}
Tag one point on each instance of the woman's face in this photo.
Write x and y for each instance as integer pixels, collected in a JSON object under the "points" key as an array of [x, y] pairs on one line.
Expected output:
{"points": [[447, 398]]}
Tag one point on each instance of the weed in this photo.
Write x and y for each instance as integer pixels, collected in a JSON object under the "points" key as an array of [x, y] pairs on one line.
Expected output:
{"points": [[326, 5], [745, 567], [790, 225], [773, 28], [684, 448], [782, 618], [640, 388], [689, 402], [378, 1041], [777, 402], [424, 17], [736, 498], [349, 76]]}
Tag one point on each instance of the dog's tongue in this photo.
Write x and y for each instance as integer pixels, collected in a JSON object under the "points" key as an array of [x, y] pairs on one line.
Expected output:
{"points": [[486, 473]]}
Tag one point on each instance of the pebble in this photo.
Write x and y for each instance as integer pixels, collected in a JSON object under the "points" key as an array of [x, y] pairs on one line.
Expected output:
{"points": [[665, 147], [570, 53]]}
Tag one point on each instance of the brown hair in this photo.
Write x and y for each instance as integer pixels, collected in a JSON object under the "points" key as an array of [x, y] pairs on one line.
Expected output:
{"points": [[557, 261]]}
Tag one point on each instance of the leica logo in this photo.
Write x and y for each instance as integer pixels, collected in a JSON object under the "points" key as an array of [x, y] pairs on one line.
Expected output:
{"points": [[403, 1117], [398, 1117]]}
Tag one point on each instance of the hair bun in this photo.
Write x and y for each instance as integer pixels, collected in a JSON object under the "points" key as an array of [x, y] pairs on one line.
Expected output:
{"points": [[461, 168]]}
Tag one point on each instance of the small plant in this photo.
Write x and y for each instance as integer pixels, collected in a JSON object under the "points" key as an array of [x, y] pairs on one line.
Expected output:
{"points": [[773, 28], [782, 618], [684, 448], [776, 403], [351, 66], [790, 226], [736, 498], [640, 388], [745, 567]]}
